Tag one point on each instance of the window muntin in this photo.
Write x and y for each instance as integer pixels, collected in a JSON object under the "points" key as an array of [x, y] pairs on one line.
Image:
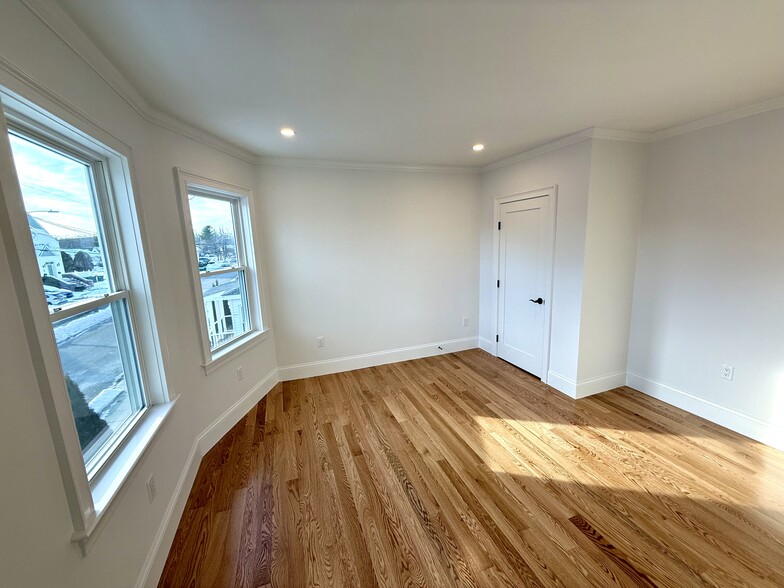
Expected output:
{"points": [[218, 234], [73, 236]]}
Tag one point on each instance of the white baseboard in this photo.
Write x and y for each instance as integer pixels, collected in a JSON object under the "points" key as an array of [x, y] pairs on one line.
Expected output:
{"points": [[356, 362], [487, 345], [600, 384], [585, 388], [562, 383], [761, 431], [212, 434], [159, 551]]}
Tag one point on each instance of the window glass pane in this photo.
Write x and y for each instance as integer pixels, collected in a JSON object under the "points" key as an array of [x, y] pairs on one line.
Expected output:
{"points": [[214, 232], [226, 307], [58, 199], [100, 373]]}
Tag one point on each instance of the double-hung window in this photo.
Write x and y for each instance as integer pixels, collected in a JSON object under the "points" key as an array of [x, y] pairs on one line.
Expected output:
{"points": [[217, 218], [85, 289], [68, 200]]}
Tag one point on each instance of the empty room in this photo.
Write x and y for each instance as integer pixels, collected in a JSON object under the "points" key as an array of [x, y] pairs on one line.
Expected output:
{"points": [[356, 293]]}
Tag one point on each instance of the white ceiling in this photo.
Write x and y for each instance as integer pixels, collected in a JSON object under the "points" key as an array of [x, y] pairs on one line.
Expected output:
{"points": [[418, 81]]}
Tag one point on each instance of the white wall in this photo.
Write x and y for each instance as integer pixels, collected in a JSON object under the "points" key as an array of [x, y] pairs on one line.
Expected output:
{"points": [[710, 275], [35, 547], [372, 260], [569, 168], [617, 185]]}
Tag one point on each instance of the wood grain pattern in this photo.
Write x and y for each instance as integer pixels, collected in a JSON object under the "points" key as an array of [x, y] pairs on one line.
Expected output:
{"points": [[461, 470]]}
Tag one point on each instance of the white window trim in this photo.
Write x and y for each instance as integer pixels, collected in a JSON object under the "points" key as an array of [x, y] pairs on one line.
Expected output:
{"points": [[187, 181], [89, 500]]}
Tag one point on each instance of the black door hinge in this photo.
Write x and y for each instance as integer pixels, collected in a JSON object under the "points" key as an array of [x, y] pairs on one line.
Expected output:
{"points": [[496, 338], [499, 225], [498, 283]]}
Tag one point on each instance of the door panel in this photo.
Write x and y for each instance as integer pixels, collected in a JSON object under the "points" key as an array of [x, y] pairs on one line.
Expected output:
{"points": [[523, 258]]}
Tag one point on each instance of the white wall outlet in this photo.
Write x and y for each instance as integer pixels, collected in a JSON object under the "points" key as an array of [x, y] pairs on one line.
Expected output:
{"points": [[240, 375], [151, 489], [465, 321], [727, 371], [320, 342]]}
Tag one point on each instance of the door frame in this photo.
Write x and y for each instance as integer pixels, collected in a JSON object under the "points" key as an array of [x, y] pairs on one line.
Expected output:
{"points": [[552, 192]]}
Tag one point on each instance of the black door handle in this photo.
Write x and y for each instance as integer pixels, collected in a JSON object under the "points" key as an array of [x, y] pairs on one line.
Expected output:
{"points": [[537, 301]]}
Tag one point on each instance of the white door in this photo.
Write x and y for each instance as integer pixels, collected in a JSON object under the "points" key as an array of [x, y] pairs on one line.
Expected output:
{"points": [[524, 257]]}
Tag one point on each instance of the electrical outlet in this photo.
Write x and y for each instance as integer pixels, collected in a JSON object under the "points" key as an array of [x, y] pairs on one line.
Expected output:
{"points": [[151, 489], [320, 342], [465, 321], [727, 371]]}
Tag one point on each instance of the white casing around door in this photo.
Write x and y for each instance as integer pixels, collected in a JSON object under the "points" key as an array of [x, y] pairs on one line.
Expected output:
{"points": [[524, 255]]}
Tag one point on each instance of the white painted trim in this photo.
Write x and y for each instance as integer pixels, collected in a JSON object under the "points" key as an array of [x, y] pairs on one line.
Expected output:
{"points": [[236, 349], [365, 166], [719, 119], [585, 388], [159, 550], [562, 384], [487, 345], [543, 149], [247, 256], [212, 434], [761, 431], [365, 360], [620, 135], [601, 384], [552, 193], [60, 23], [566, 141]]}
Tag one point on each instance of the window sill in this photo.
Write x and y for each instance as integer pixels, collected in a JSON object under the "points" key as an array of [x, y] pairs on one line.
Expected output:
{"points": [[231, 351], [110, 483]]}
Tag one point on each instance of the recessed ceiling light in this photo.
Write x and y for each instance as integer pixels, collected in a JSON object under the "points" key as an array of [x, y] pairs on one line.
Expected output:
{"points": [[287, 132], [478, 147]]}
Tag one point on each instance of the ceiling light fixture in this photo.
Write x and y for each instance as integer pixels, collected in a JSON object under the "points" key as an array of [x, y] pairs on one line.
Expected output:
{"points": [[287, 132], [478, 147]]}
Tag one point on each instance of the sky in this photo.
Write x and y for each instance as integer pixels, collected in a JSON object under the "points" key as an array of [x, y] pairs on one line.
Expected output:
{"points": [[209, 211], [51, 181]]}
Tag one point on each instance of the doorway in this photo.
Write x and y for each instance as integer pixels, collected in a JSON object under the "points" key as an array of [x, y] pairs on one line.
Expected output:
{"points": [[525, 243]]}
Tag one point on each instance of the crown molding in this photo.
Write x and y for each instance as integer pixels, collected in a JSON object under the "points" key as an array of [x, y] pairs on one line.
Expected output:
{"points": [[617, 135], [720, 118], [51, 14], [268, 161], [560, 143], [543, 149]]}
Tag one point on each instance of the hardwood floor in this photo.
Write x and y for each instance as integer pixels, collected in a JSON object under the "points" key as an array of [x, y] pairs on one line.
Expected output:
{"points": [[461, 470]]}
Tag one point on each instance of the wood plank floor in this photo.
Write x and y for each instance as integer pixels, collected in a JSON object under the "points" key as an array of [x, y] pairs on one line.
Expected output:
{"points": [[461, 470]]}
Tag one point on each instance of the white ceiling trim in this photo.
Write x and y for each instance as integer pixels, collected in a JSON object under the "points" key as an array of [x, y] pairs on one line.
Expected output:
{"points": [[555, 145], [55, 18], [359, 165], [718, 119]]}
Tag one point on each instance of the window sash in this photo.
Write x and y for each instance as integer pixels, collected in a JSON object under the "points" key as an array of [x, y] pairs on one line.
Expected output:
{"points": [[212, 316], [107, 233], [102, 205]]}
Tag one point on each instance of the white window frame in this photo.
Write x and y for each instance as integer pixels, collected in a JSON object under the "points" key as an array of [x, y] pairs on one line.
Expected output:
{"points": [[247, 261], [91, 495]]}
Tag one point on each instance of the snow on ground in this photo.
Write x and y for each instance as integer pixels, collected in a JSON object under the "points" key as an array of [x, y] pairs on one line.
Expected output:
{"points": [[68, 329]]}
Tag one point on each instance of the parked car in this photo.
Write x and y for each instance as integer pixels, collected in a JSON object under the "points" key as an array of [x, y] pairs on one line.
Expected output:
{"points": [[55, 296], [79, 280], [204, 261], [216, 265], [65, 284]]}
